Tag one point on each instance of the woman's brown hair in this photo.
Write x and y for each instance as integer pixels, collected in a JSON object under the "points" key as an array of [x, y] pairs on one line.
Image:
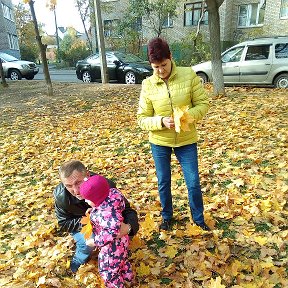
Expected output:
{"points": [[158, 50]]}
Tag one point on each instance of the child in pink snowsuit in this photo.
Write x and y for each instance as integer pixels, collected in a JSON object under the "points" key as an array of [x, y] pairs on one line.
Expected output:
{"points": [[106, 217]]}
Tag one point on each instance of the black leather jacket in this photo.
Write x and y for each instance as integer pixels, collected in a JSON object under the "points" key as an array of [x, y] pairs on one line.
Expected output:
{"points": [[69, 210]]}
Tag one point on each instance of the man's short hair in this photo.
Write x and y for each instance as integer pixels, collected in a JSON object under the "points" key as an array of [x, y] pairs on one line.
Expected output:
{"points": [[67, 168]]}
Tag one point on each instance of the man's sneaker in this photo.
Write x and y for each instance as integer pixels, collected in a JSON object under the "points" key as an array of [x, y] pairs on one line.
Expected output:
{"points": [[165, 225], [203, 226]]}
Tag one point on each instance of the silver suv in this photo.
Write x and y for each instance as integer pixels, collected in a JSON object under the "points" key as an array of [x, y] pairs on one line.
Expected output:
{"points": [[262, 61], [16, 69]]}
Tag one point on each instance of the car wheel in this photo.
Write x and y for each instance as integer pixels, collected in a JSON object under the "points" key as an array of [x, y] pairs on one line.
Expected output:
{"points": [[30, 77], [281, 81], [203, 77], [130, 78], [86, 77], [15, 75]]}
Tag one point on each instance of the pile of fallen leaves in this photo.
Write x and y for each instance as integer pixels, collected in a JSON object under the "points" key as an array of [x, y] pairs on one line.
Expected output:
{"points": [[243, 166]]}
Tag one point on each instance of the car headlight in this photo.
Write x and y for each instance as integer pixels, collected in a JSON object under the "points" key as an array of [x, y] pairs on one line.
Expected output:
{"points": [[25, 66], [142, 69]]}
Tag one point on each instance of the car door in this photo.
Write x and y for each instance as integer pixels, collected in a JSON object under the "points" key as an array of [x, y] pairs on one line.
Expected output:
{"points": [[256, 64], [111, 66], [231, 64], [94, 62]]}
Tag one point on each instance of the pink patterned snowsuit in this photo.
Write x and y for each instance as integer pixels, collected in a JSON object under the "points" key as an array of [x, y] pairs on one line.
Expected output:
{"points": [[106, 219]]}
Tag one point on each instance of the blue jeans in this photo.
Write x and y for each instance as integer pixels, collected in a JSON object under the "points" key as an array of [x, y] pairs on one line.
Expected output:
{"points": [[188, 159], [82, 252]]}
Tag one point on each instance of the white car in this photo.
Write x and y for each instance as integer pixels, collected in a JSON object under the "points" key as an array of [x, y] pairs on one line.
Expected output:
{"points": [[16, 69], [262, 61]]}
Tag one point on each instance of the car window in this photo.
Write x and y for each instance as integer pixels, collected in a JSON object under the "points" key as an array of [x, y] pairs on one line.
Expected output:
{"points": [[258, 52], [128, 58], [233, 55], [93, 58], [110, 58], [8, 58], [281, 50]]}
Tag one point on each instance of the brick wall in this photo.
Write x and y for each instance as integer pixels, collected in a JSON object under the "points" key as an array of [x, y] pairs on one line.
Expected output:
{"points": [[274, 25], [7, 26], [229, 31]]}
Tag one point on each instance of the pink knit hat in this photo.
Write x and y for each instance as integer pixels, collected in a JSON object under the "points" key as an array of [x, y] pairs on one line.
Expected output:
{"points": [[95, 189]]}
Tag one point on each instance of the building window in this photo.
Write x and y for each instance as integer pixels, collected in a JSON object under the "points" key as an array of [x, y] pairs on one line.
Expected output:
{"points": [[168, 22], [110, 28], [251, 14], [7, 12], [284, 9], [193, 13], [13, 42]]}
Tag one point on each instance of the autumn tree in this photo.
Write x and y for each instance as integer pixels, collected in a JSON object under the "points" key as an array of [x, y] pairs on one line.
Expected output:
{"points": [[72, 48], [41, 46], [154, 13], [26, 33], [48, 39], [214, 29], [129, 29], [84, 8]]}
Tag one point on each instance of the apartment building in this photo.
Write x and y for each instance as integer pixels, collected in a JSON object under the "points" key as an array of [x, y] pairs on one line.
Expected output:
{"points": [[239, 19], [8, 34]]}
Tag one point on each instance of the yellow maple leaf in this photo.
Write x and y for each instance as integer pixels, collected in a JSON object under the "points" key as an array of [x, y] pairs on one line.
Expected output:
{"points": [[143, 270], [87, 227], [260, 240], [135, 243], [235, 267], [171, 251], [182, 119], [156, 269], [238, 182], [149, 225], [193, 230], [216, 283]]}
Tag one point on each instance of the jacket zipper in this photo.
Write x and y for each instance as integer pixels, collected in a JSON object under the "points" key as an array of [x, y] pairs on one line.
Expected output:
{"points": [[169, 95]]}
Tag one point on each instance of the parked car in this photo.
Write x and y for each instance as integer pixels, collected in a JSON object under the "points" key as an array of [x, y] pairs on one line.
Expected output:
{"points": [[122, 67], [16, 69], [257, 62]]}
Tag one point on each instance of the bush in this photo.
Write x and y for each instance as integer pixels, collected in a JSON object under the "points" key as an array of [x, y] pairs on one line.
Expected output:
{"points": [[73, 49], [191, 50], [29, 53]]}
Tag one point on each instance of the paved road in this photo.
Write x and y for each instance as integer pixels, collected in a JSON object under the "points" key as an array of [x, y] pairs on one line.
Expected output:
{"points": [[61, 75]]}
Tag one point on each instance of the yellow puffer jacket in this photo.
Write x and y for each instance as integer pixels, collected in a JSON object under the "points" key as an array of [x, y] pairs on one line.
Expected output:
{"points": [[157, 100]]}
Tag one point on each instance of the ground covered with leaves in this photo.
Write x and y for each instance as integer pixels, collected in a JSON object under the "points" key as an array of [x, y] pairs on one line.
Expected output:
{"points": [[243, 166]]}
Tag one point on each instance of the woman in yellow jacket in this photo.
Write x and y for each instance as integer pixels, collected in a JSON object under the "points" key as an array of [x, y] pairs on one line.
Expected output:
{"points": [[168, 88]]}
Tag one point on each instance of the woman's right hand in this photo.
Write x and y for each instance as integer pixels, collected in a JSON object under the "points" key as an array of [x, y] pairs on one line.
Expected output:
{"points": [[168, 122]]}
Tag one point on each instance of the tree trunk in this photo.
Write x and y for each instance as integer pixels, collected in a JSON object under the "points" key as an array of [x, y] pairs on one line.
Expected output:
{"points": [[214, 29], [42, 50], [101, 43], [3, 80], [83, 18]]}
